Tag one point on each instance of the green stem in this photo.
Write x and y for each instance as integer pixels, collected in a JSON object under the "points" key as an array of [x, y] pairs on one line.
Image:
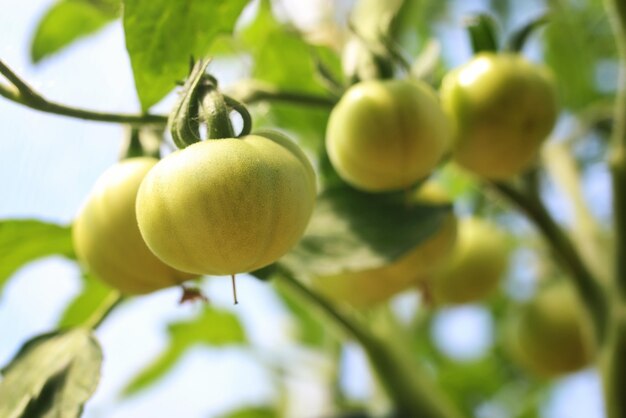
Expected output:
{"points": [[614, 366], [217, 116], [25, 95], [21, 93], [102, 312], [588, 288], [406, 384], [616, 11]]}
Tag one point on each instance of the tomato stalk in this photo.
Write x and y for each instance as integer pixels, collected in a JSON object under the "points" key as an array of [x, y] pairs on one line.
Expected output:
{"points": [[614, 364], [405, 382]]}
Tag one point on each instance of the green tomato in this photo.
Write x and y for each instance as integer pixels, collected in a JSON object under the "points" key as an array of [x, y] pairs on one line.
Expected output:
{"points": [[550, 335], [107, 239], [503, 108], [478, 263], [367, 288], [227, 206], [386, 135]]}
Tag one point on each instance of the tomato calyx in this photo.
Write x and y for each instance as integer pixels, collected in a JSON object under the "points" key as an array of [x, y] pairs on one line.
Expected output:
{"points": [[192, 294], [199, 102]]}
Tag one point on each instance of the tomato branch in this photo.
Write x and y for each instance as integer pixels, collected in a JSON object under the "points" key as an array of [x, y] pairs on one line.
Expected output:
{"points": [[614, 366], [18, 91], [23, 94], [404, 381], [589, 289]]}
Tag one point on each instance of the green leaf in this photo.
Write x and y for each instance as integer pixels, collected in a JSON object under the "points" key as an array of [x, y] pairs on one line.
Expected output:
{"points": [[52, 375], [213, 328], [94, 295], [567, 47], [374, 19], [310, 330], [67, 21], [353, 230], [252, 412], [161, 36], [22, 241]]}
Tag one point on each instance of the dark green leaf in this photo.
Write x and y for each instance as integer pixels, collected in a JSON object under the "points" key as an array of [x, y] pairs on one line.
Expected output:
{"points": [[67, 21], [161, 35], [89, 301], [213, 327], [23, 241], [51, 376], [352, 230]]}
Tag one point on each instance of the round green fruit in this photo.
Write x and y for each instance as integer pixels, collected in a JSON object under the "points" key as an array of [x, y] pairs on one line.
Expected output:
{"points": [[227, 206], [386, 135], [107, 239], [367, 288], [503, 108], [478, 263], [550, 335]]}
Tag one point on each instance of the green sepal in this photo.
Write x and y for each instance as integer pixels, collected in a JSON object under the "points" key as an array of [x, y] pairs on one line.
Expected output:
{"points": [[483, 32], [184, 120], [518, 38]]}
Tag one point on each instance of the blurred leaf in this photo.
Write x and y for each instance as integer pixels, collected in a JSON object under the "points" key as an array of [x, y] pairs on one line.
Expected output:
{"points": [[89, 301], [352, 230], [52, 376], [23, 241], [373, 19], [161, 35], [252, 412], [67, 21], [573, 54], [283, 58], [214, 328]]}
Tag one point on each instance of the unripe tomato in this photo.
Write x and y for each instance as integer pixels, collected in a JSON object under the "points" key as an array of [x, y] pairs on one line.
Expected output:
{"points": [[550, 335], [227, 206], [503, 108], [107, 239], [364, 289], [386, 135], [478, 263]]}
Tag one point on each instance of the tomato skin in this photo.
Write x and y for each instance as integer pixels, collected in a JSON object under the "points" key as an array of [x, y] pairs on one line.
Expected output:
{"points": [[386, 134], [503, 107], [550, 335], [107, 239], [227, 206], [476, 266]]}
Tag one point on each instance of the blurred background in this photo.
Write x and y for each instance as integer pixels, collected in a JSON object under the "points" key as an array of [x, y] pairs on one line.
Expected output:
{"points": [[49, 163]]}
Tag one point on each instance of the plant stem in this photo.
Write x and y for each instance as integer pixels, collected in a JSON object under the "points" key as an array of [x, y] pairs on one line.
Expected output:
{"points": [[614, 365], [21, 93], [404, 381], [106, 307], [589, 289]]}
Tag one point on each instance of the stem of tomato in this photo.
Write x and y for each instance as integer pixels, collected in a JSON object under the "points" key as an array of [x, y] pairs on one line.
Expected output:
{"points": [[217, 115], [614, 355], [406, 383], [232, 279]]}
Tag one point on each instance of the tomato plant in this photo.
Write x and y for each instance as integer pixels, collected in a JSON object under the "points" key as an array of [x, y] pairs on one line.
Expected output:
{"points": [[295, 144]]}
